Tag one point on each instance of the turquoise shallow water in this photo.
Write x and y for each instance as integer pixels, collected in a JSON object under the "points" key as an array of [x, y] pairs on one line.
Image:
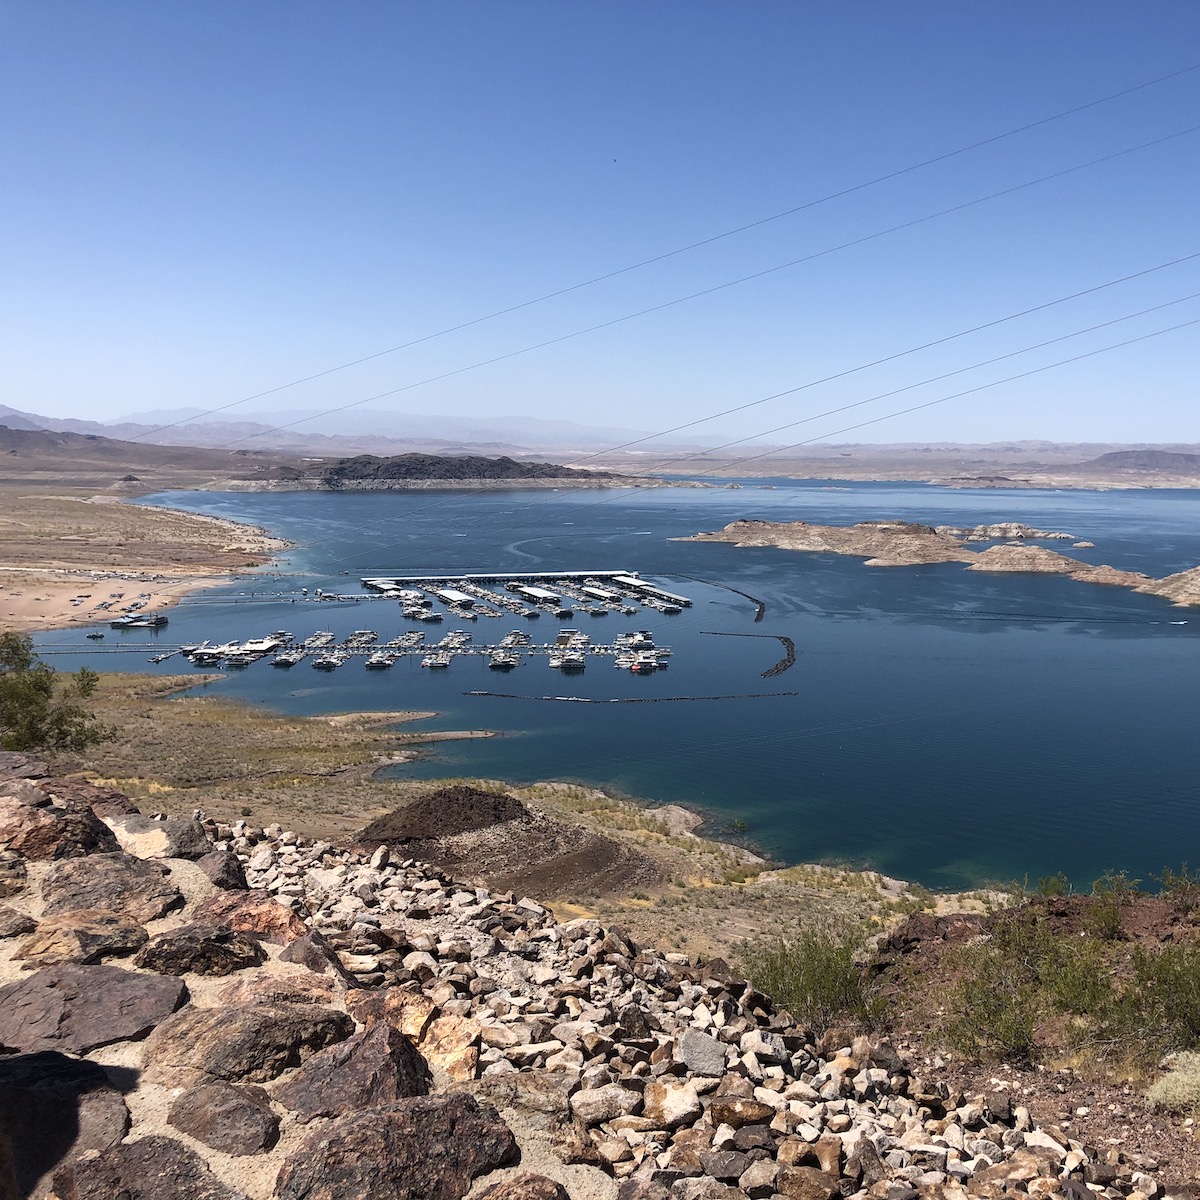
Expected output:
{"points": [[947, 727]]}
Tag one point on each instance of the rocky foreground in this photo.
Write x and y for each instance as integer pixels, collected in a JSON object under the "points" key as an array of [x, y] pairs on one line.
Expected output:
{"points": [[298, 1020], [907, 544]]}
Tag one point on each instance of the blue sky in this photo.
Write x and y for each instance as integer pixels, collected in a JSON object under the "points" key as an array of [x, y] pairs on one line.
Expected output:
{"points": [[206, 200]]}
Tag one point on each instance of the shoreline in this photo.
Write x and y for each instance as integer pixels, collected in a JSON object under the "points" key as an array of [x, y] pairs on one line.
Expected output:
{"points": [[66, 594]]}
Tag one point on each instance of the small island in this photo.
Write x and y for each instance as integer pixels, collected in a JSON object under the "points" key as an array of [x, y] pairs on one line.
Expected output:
{"points": [[405, 472], [906, 544]]}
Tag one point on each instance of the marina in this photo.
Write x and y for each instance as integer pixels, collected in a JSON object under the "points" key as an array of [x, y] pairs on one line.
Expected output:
{"points": [[561, 594], [571, 650]]}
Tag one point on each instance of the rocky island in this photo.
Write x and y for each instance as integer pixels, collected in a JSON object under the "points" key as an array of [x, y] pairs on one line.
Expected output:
{"points": [[905, 544], [402, 472]]}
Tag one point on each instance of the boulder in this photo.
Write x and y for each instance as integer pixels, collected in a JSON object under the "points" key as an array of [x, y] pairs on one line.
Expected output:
{"points": [[21, 766], [701, 1054], [314, 952], [452, 1045], [374, 1067], [116, 882], [254, 1042], [154, 1168], [425, 1148], [595, 1106], [14, 923], [79, 1008], [406, 1009], [259, 988], [200, 950], [255, 912], [224, 869], [51, 832], [525, 1187], [84, 936], [671, 1103], [807, 1183], [54, 1108], [144, 837], [739, 1110], [236, 1120]]}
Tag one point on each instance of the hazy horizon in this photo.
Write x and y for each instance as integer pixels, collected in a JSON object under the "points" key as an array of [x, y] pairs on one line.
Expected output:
{"points": [[209, 203]]}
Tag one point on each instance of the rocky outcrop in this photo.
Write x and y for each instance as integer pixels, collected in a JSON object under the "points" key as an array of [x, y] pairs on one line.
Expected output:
{"points": [[392, 1032], [1182, 588], [903, 544]]}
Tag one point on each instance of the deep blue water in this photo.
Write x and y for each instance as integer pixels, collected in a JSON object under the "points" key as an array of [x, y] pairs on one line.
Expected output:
{"points": [[950, 727]]}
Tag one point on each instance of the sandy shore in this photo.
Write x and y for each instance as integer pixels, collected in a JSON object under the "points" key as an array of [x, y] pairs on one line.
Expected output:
{"points": [[33, 600], [61, 557]]}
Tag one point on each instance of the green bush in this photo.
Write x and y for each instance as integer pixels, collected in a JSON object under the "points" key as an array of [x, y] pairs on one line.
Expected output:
{"points": [[814, 975], [993, 1010], [1054, 885], [39, 709], [1181, 888], [1179, 1090]]}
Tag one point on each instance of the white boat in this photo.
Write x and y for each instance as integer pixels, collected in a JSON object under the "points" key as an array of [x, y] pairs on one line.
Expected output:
{"points": [[380, 661], [438, 659], [503, 660], [330, 661]]}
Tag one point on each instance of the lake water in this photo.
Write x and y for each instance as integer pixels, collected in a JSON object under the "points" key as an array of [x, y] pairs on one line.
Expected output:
{"points": [[947, 726]]}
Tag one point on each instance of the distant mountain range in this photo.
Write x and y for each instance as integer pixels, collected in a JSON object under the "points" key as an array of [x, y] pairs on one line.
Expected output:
{"points": [[311, 432]]}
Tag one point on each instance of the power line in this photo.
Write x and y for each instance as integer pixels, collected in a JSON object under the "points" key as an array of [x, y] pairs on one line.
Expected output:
{"points": [[706, 241], [648, 471], [859, 241]]}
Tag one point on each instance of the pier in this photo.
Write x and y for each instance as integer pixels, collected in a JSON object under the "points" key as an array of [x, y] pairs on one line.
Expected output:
{"points": [[477, 594]]}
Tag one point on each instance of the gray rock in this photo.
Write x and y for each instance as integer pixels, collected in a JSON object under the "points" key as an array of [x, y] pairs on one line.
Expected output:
{"points": [[200, 950], [13, 923], [594, 1106], [377, 1066], [254, 1042], [701, 1054], [426, 1148], [224, 868], [314, 952], [235, 1120], [117, 882], [80, 1008], [154, 1168]]}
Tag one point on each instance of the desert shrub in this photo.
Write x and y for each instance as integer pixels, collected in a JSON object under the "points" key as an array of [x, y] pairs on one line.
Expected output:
{"points": [[1181, 888], [1078, 980], [814, 974], [1054, 885], [1178, 1091], [994, 1008], [1169, 982]]}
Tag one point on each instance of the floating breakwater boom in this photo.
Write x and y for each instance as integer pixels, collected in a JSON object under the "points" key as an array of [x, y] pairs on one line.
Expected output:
{"points": [[904, 543], [258, 1014]]}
